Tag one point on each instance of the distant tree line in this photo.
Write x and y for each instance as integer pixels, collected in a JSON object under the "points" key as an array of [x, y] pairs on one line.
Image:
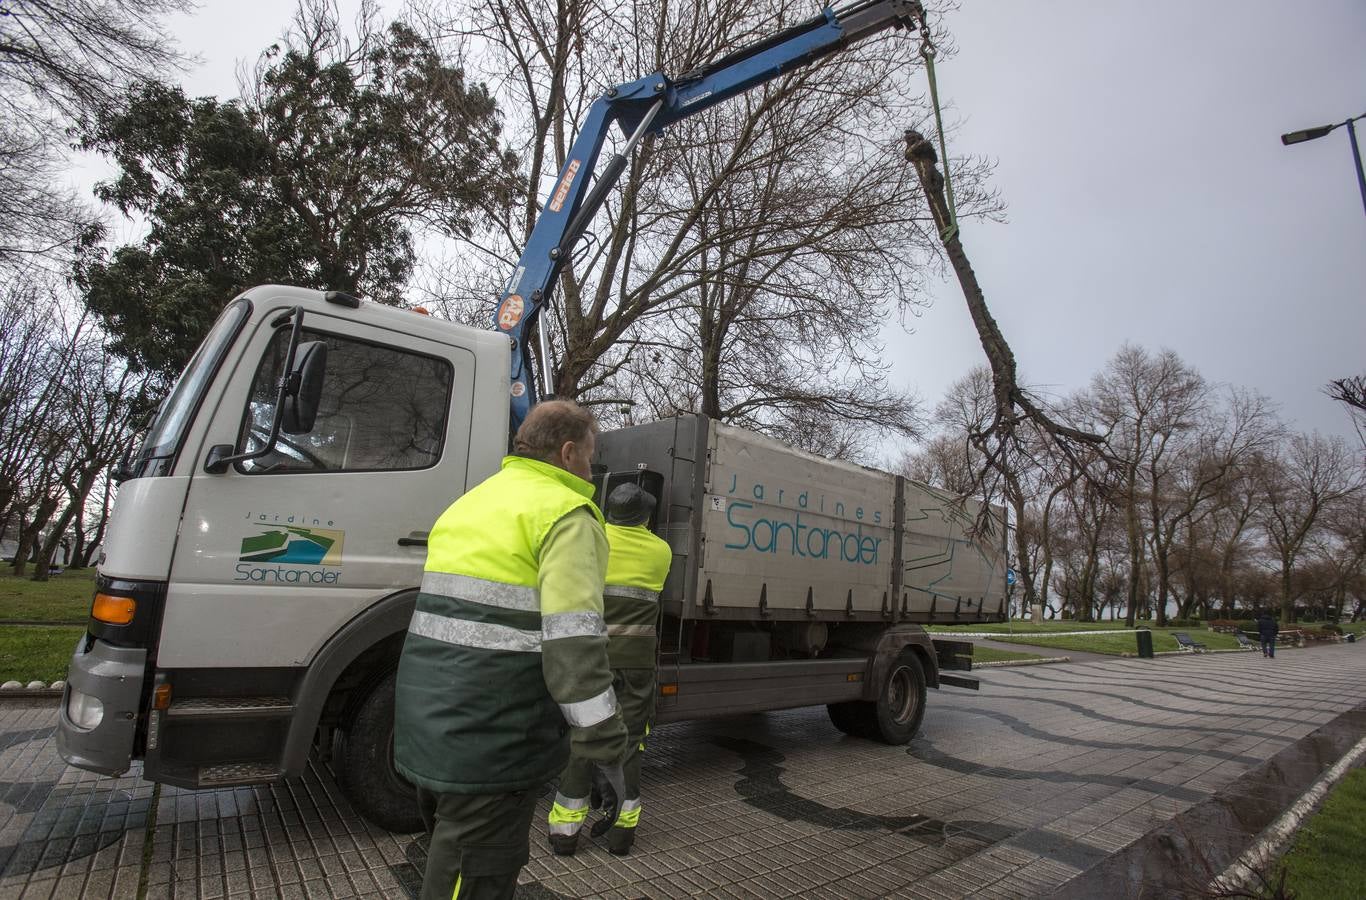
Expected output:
{"points": [[1202, 501]]}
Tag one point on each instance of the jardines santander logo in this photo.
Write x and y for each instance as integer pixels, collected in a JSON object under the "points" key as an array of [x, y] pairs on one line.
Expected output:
{"points": [[276, 552]]}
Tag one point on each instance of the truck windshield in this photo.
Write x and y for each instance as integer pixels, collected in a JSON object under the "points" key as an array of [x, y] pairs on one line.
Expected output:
{"points": [[168, 429]]}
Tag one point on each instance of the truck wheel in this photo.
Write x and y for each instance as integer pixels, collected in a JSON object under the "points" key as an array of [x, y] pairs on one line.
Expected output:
{"points": [[900, 705], [368, 776]]}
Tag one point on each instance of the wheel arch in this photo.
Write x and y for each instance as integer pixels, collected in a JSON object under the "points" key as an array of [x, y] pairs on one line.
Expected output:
{"points": [[890, 643], [360, 651]]}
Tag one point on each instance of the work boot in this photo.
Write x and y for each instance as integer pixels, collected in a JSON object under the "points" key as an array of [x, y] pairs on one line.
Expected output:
{"points": [[619, 841], [564, 844]]}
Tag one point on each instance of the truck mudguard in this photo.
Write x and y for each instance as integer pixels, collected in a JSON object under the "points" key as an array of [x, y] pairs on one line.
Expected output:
{"points": [[384, 619]]}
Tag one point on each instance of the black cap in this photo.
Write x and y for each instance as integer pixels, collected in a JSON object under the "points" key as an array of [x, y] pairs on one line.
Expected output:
{"points": [[629, 504]]}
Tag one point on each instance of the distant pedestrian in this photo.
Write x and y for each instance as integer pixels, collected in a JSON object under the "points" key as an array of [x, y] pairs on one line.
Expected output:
{"points": [[1267, 629]]}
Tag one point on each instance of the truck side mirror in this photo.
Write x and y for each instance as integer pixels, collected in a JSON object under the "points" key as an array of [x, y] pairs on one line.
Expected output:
{"points": [[305, 388]]}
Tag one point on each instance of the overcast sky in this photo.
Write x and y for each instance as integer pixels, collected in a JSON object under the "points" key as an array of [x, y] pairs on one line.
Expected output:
{"points": [[1149, 197]]}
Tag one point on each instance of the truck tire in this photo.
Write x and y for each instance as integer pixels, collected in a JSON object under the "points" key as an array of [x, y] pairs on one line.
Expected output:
{"points": [[366, 763], [900, 704], [894, 717]]}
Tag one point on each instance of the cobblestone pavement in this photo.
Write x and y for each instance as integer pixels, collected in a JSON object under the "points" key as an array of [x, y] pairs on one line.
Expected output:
{"points": [[1008, 792]]}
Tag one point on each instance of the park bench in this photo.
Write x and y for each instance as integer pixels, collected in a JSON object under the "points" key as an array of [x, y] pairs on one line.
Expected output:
{"points": [[1186, 643]]}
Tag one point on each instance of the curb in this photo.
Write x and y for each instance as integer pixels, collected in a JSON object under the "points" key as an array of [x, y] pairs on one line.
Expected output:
{"points": [[1275, 838], [1192, 653], [17, 690], [1004, 663]]}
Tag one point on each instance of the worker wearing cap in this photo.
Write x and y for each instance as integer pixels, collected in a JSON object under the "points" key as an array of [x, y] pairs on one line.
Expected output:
{"points": [[637, 565], [505, 664]]}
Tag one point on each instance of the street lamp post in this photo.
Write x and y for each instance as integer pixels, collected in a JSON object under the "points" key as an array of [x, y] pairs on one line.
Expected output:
{"points": [[1310, 134]]}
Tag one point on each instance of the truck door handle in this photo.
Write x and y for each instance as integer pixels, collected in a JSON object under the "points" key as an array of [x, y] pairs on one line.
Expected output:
{"points": [[414, 539]]}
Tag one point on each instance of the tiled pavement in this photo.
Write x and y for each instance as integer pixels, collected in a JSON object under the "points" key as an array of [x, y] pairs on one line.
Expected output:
{"points": [[1007, 793]]}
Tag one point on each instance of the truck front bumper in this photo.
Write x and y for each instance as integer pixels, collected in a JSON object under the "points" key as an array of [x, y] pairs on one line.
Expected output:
{"points": [[99, 715]]}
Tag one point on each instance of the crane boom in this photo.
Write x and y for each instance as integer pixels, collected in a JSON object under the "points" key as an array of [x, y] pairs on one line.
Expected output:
{"points": [[647, 106]]}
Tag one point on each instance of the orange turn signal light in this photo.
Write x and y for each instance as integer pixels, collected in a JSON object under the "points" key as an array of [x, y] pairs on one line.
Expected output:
{"points": [[854, 676], [113, 610], [668, 690], [161, 696]]}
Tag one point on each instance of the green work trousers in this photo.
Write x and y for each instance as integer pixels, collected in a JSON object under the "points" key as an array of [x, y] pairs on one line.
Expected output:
{"points": [[479, 843], [635, 690]]}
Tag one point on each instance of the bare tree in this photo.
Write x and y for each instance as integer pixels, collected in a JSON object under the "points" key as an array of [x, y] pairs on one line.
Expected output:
{"points": [[1141, 400], [753, 251], [1188, 466], [30, 391], [1351, 393], [60, 62], [1301, 485], [100, 399]]}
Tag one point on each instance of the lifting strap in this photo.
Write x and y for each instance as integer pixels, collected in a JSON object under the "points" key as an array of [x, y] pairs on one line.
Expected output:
{"points": [[927, 53]]}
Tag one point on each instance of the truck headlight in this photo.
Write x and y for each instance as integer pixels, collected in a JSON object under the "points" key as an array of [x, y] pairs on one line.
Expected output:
{"points": [[83, 710]]}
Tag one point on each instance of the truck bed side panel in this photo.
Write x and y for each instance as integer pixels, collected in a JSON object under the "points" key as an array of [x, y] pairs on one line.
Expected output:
{"points": [[779, 523], [950, 574]]}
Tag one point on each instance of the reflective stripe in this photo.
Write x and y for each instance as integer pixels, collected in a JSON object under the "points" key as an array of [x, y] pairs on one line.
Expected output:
{"points": [[631, 630], [459, 877], [571, 624], [481, 635], [591, 711], [567, 814], [480, 590], [631, 593], [629, 816], [571, 804]]}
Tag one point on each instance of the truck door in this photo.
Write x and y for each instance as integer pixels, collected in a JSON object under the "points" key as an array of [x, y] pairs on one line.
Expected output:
{"points": [[276, 553]]}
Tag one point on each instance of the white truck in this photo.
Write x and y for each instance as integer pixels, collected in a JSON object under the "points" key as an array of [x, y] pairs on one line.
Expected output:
{"points": [[250, 611], [264, 552]]}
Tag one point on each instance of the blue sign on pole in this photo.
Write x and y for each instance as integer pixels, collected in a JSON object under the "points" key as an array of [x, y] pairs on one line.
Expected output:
{"points": [[1010, 576]]}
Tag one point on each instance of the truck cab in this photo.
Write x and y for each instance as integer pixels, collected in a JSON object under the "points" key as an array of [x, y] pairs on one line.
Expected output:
{"points": [[255, 587]]}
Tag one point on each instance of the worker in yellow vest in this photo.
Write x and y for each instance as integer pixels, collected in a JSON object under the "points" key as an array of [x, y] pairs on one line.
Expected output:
{"points": [[505, 664], [637, 565]]}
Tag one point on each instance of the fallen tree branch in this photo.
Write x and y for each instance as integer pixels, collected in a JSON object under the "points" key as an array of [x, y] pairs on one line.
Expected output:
{"points": [[1000, 441]]}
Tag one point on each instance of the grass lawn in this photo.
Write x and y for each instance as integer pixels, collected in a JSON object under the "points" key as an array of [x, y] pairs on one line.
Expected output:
{"points": [[41, 652], [63, 598], [1023, 627], [982, 654], [1118, 644], [1356, 628], [1327, 860]]}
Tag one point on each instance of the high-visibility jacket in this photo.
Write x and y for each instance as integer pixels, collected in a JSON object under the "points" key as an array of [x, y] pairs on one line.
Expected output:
{"points": [[637, 565], [506, 652]]}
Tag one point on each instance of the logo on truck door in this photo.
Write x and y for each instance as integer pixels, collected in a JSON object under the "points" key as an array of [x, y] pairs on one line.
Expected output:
{"points": [[274, 553], [309, 546]]}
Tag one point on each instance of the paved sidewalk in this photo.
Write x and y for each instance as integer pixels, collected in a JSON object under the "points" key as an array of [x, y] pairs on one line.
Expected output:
{"points": [[1009, 792]]}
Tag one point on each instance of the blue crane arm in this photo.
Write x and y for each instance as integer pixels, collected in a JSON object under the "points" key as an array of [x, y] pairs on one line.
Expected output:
{"points": [[647, 106]]}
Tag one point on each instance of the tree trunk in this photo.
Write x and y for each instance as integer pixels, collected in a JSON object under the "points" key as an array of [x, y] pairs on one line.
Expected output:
{"points": [[98, 539], [24, 545], [57, 533], [76, 549], [1287, 599], [1135, 555]]}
